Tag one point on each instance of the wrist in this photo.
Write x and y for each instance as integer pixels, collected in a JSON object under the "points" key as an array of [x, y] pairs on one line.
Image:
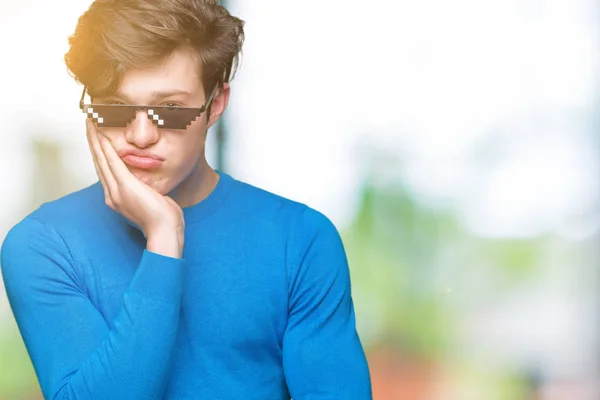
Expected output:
{"points": [[166, 242]]}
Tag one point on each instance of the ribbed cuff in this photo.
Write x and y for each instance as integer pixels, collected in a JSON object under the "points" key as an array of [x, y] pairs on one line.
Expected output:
{"points": [[159, 277]]}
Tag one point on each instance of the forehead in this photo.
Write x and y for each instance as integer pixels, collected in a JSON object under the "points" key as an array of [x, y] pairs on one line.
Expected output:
{"points": [[180, 72]]}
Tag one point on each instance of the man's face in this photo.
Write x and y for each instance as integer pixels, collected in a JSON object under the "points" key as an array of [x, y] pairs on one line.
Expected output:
{"points": [[180, 152]]}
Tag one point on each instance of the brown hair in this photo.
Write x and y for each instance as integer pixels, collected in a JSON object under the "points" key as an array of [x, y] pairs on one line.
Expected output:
{"points": [[113, 36]]}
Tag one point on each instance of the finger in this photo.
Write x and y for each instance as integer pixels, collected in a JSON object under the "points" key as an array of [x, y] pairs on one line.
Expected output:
{"points": [[100, 175], [117, 167], [90, 133], [109, 179], [104, 170]]}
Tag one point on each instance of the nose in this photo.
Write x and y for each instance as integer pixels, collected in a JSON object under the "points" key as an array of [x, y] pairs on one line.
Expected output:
{"points": [[141, 132]]}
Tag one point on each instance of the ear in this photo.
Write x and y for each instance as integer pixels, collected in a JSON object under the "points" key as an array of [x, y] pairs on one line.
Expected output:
{"points": [[219, 104]]}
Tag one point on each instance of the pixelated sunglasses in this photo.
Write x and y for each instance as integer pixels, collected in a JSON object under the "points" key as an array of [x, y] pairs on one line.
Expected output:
{"points": [[120, 115]]}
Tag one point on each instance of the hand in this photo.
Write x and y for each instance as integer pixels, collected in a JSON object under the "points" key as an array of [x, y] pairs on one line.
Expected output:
{"points": [[157, 215]]}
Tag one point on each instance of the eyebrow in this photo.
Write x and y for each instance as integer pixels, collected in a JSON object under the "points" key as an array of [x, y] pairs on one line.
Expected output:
{"points": [[155, 95]]}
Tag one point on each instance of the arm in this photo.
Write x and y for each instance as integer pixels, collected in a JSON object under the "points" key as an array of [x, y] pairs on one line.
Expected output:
{"points": [[322, 354], [74, 353]]}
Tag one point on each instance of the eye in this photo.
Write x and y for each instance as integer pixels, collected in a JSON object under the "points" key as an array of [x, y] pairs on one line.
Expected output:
{"points": [[171, 105]]}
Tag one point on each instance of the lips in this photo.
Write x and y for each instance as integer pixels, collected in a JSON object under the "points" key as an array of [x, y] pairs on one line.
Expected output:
{"points": [[141, 159]]}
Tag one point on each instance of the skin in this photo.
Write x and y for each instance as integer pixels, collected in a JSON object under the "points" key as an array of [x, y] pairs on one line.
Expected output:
{"points": [[153, 199]]}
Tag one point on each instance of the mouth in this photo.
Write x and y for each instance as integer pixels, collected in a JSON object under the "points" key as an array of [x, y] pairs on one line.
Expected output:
{"points": [[141, 162], [141, 159]]}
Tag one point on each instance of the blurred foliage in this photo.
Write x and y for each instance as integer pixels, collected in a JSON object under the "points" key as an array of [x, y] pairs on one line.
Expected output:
{"points": [[413, 267], [481, 382], [17, 377], [392, 253]]}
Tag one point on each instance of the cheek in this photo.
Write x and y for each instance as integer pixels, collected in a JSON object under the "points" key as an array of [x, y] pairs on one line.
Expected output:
{"points": [[191, 142], [186, 148]]}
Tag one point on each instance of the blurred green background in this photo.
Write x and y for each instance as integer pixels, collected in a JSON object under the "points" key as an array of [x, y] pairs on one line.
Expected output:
{"points": [[455, 146]]}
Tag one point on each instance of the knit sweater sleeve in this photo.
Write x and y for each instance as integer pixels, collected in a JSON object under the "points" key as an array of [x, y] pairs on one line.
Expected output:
{"points": [[74, 352], [323, 358]]}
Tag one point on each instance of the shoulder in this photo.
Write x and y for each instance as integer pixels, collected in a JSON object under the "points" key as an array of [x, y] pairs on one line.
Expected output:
{"points": [[297, 215], [75, 207], [317, 262], [82, 210], [43, 231], [255, 198], [305, 227], [35, 250]]}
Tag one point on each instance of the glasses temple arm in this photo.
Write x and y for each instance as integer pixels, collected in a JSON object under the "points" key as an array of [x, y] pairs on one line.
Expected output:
{"points": [[82, 97], [210, 99]]}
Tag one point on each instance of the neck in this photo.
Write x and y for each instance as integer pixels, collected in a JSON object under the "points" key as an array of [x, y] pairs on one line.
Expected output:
{"points": [[197, 186]]}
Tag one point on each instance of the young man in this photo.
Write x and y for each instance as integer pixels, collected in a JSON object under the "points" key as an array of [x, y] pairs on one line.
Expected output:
{"points": [[167, 279]]}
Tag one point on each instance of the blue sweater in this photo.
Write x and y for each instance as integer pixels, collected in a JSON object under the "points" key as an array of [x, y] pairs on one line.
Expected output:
{"points": [[258, 308]]}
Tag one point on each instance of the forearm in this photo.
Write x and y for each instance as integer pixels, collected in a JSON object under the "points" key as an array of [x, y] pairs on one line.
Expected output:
{"points": [[134, 359], [77, 355]]}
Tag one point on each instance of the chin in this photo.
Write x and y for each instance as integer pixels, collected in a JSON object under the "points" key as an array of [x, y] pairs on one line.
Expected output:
{"points": [[161, 189], [160, 185]]}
